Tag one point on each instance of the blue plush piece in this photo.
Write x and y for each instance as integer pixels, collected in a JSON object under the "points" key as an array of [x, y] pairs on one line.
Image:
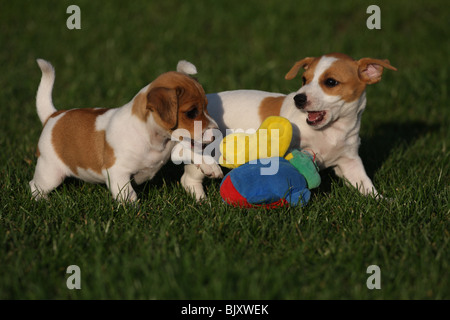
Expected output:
{"points": [[259, 189]]}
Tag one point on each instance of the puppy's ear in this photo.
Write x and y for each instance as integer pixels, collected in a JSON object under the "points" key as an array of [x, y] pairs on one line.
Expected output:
{"points": [[163, 102], [370, 70], [304, 63]]}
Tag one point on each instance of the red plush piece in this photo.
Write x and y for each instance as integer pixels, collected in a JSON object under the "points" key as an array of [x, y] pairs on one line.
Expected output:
{"points": [[234, 198]]}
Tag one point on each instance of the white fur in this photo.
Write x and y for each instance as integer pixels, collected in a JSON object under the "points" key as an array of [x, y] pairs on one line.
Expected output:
{"points": [[335, 143], [316, 96], [186, 67], [44, 102], [140, 148]]}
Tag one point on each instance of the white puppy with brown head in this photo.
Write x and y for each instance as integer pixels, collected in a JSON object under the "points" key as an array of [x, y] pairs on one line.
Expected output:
{"points": [[113, 145], [325, 113]]}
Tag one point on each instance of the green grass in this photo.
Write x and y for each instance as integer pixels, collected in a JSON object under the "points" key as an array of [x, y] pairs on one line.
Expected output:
{"points": [[170, 247]]}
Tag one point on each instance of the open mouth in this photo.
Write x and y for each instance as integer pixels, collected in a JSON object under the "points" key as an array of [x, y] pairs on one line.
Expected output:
{"points": [[315, 117]]}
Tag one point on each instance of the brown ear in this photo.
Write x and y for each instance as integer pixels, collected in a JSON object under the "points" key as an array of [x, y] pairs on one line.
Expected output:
{"points": [[163, 102], [304, 63], [370, 70], [139, 108]]}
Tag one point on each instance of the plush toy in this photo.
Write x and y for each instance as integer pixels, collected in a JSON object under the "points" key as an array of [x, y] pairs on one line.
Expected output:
{"points": [[261, 177], [272, 139]]}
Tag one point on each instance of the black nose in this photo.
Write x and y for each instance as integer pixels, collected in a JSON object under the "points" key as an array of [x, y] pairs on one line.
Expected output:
{"points": [[300, 100]]}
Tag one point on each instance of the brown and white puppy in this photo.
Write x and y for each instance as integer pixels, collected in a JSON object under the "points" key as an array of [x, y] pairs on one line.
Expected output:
{"points": [[113, 145], [325, 113]]}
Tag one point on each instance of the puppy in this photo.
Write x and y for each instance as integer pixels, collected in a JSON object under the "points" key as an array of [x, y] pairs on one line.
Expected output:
{"points": [[113, 145], [325, 113]]}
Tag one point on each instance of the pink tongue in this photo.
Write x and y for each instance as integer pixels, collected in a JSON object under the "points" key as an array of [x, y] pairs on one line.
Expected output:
{"points": [[314, 115]]}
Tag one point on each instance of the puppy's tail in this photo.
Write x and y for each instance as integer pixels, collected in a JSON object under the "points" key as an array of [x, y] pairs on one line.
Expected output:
{"points": [[44, 103], [186, 67]]}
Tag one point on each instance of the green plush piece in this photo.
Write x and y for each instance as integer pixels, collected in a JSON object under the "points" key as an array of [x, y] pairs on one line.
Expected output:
{"points": [[304, 163]]}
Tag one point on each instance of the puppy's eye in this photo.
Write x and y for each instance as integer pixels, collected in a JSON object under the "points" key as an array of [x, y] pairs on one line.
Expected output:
{"points": [[303, 80], [192, 114], [330, 82]]}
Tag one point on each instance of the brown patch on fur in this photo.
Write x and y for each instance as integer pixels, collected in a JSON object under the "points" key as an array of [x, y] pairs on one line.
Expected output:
{"points": [[340, 56], [352, 75], [169, 97], [345, 71], [188, 100], [78, 144], [53, 115], [139, 108], [270, 106], [308, 64], [164, 103]]}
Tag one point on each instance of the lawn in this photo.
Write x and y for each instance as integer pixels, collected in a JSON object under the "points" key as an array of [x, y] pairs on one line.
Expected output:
{"points": [[170, 247]]}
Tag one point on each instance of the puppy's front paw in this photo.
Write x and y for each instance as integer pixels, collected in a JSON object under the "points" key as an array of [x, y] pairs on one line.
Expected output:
{"points": [[211, 170], [195, 188]]}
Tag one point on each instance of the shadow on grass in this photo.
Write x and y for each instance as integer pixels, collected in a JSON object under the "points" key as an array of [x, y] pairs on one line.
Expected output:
{"points": [[170, 175], [387, 136], [375, 150]]}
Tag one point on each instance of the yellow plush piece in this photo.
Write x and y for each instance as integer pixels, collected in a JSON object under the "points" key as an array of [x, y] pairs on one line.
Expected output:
{"points": [[272, 139]]}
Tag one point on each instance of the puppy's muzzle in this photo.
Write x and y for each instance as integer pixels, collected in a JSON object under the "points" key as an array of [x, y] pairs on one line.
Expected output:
{"points": [[300, 100]]}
